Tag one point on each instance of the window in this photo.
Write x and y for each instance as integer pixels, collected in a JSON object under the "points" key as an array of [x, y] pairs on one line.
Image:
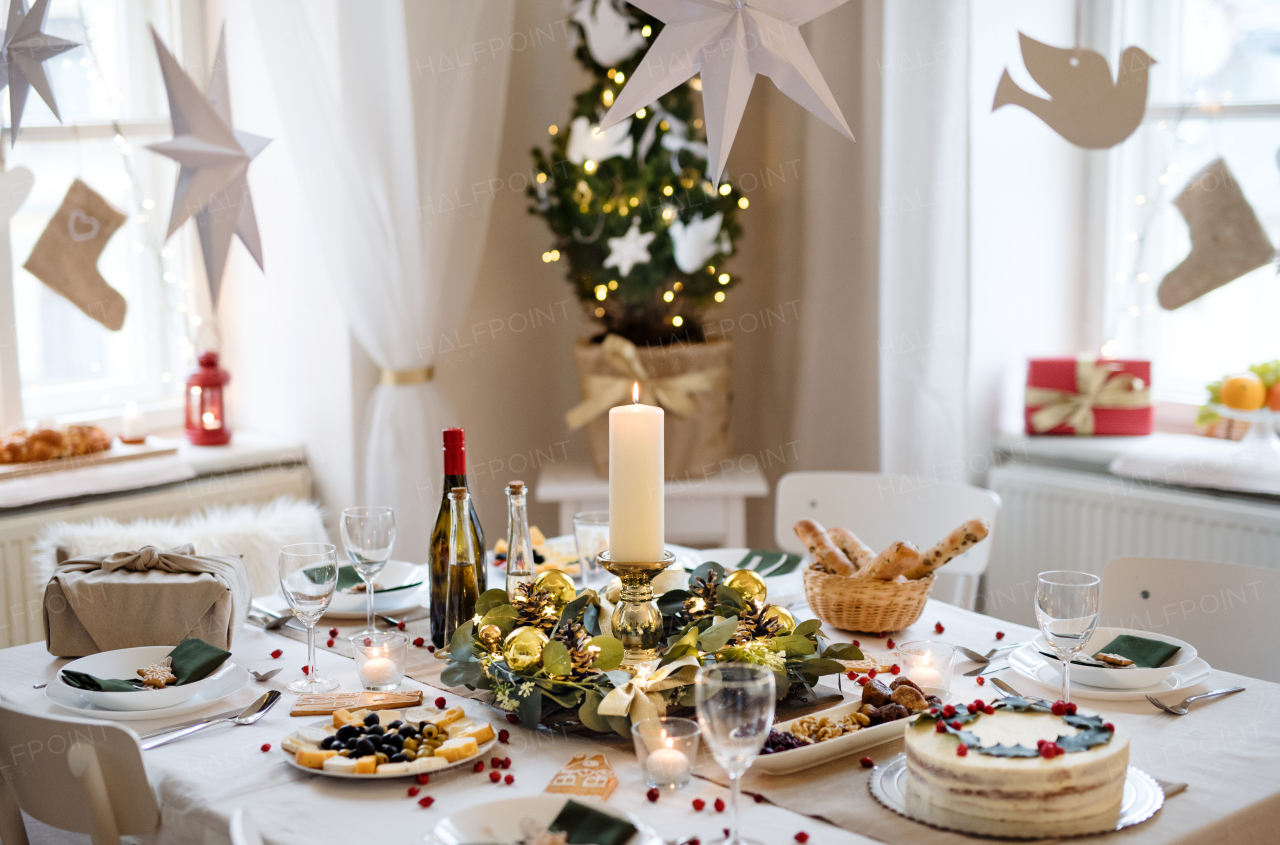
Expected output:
{"points": [[1215, 93], [113, 103]]}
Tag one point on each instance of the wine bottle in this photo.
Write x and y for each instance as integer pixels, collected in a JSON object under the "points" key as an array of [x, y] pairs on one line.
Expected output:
{"points": [[519, 546], [462, 590], [455, 475]]}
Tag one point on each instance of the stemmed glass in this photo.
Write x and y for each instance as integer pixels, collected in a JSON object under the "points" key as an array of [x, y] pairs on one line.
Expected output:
{"points": [[368, 535], [1067, 613], [735, 710], [308, 575]]}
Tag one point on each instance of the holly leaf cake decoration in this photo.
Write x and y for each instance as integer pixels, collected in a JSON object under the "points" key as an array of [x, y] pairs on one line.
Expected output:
{"points": [[1093, 731]]}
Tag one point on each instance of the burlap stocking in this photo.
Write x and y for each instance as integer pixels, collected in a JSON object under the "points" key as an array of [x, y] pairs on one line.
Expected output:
{"points": [[1227, 240], [66, 256]]}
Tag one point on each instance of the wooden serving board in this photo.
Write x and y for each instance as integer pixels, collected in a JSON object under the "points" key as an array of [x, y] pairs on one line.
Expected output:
{"points": [[325, 703], [117, 453]]}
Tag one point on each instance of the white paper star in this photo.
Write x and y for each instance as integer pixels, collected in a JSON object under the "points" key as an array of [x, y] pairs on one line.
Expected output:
{"points": [[630, 249], [26, 49], [695, 243], [729, 42], [213, 181], [610, 38], [591, 142]]}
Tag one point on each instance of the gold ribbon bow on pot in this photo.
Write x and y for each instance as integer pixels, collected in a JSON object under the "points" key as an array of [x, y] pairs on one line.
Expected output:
{"points": [[639, 699], [674, 393], [1097, 386]]}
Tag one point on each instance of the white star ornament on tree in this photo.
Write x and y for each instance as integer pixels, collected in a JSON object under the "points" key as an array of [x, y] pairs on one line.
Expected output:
{"points": [[26, 48], [729, 42], [214, 157], [630, 249]]}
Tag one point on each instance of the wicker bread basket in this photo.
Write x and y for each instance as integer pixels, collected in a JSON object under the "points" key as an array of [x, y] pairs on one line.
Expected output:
{"points": [[865, 604]]}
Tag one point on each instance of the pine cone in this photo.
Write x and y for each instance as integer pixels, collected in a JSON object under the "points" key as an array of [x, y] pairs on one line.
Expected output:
{"points": [[576, 639], [535, 608], [702, 601], [752, 624]]}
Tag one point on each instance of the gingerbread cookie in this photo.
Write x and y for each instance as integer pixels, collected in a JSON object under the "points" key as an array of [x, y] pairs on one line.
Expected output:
{"points": [[158, 675], [589, 775]]}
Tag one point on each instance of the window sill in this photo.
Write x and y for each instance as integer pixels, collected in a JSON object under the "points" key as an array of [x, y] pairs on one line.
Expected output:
{"points": [[159, 415]]}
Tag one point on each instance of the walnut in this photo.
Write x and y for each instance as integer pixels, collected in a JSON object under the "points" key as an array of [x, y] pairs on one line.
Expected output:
{"points": [[904, 681], [910, 698], [876, 693], [889, 713]]}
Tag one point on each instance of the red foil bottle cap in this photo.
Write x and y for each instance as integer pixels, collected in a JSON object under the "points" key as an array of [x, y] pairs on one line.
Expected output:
{"points": [[455, 452]]}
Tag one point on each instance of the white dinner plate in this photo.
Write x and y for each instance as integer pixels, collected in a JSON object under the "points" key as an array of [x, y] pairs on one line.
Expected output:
{"points": [[484, 749], [218, 688], [1131, 678], [399, 584], [125, 663], [785, 590], [807, 756], [518, 820], [1028, 663]]}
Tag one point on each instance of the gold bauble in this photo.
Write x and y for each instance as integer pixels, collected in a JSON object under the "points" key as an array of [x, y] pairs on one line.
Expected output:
{"points": [[749, 584], [558, 584], [491, 636], [778, 613], [522, 649]]}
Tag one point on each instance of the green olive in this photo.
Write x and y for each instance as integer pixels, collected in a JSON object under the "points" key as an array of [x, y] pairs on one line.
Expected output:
{"points": [[427, 752], [410, 744]]}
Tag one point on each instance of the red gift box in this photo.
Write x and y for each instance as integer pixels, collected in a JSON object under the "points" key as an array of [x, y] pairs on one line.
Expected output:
{"points": [[1085, 396]]}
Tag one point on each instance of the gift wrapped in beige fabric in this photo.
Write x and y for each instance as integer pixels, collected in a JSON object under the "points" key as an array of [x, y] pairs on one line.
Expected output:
{"points": [[143, 598]]}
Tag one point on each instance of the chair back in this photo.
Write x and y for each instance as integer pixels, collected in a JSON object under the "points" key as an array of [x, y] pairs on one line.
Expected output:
{"points": [[77, 775], [244, 831], [1228, 611]]}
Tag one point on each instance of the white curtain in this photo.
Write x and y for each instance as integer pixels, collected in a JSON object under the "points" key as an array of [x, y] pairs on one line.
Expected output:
{"points": [[367, 157], [924, 237]]}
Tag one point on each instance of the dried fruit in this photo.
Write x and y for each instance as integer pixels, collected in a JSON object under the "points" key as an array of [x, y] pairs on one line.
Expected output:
{"points": [[867, 762], [999, 635], [509, 779], [413, 790], [962, 750], [440, 703], [719, 805], [504, 736], [418, 641], [424, 779], [495, 777], [652, 795], [266, 746], [426, 802], [699, 804], [895, 669], [277, 653]]}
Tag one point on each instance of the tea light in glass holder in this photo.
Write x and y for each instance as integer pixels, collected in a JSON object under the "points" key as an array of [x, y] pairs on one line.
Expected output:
{"points": [[929, 663], [379, 659], [667, 747]]}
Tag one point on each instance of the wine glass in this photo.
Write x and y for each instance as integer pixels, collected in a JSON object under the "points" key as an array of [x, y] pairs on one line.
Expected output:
{"points": [[308, 575], [368, 535], [1067, 613], [735, 710]]}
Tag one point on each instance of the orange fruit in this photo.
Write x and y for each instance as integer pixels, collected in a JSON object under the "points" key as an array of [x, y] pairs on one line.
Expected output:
{"points": [[1273, 397], [1244, 392]]}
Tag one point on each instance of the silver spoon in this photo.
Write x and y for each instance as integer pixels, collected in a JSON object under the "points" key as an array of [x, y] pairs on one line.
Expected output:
{"points": [[1181, 708], [267, 675], [248, 716]]}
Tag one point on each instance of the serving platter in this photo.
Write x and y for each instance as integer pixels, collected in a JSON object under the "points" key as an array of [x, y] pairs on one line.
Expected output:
{"points": [[218, 688], [1028, 663], [324, 723]]}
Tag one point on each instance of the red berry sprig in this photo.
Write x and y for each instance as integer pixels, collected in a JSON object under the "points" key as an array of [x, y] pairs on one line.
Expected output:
{"points": [[863, 680], [853, 676], [431, 648], [400, 624], [890, 643], [871, 673], [509, 779], [495, 776], [504, 736], [329, 642], [478, 767], [652, 795], [981, 680]]}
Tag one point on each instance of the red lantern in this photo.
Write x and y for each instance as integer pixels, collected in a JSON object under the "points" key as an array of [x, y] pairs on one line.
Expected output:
{"points": [[206, 413]]}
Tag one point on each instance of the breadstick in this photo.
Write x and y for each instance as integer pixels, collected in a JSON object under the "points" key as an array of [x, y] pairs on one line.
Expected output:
{"points": [[892, 562], [970, 534], [858, 552], [826, 555]]}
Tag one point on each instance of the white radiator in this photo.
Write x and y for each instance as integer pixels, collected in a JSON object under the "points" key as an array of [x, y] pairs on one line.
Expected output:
{"points": [[21, 594], [1054, 518]]}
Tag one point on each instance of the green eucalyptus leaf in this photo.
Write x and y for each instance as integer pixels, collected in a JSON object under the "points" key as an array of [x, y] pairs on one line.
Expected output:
{"points": [[565, 696], [794, 644], [688, 644], [843, 651], [823, 666], [610, 656], [555, 658], [706, 568], [589, 713], [807, 627], [591, 619], [573, 610], [715, 637], [729, 596], [504, 616], [462, 674], [671, 603], [618, 678], [490, 599], [621, 725], [462, 647], [530, 709]]}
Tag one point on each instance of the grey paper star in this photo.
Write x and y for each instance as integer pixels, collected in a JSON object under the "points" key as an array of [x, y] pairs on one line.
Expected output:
{"points": [[213, 182], [26, 49]]}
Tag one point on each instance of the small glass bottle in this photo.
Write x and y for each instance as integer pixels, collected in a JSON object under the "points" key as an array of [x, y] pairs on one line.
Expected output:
{"points": [[463, 589], [519, 546]]}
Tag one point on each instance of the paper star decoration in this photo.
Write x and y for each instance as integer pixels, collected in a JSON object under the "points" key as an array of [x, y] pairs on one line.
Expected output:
{"points": [[695, 243], [592, 142], [26, 49], [214, 157], [729, 42], [630, 249]]}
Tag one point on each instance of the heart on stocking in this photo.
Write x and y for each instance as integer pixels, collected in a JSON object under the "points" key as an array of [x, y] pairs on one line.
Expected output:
{"points": [[77, 219]]}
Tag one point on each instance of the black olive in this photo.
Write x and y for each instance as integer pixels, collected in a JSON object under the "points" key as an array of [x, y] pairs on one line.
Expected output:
{"points": [[377, 730], [408, 731], [365, 748], [346, 732], [328, 742], [371, 719], [397, 723], [399, 758], [392, 741], [374, 740], [352, 743]]}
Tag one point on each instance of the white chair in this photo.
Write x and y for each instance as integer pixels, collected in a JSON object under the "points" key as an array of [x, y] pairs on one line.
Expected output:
{"points": [[882, 509], [1228, 611], [85, 777], [244, 831]]}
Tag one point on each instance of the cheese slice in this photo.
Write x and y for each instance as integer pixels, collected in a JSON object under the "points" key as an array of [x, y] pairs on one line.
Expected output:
{"points": [[393, 768], [459, 727], [428, 764], [481, 733], [367, 765], [461, 748], [312, 736], [342, 765], [313, 758], [448, 717], [293, 745]]}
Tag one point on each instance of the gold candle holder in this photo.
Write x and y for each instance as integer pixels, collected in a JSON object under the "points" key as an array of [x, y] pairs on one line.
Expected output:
{"points": [[637, 622]]}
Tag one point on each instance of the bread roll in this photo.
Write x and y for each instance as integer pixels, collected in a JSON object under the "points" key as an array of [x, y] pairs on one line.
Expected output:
{"points": [[892, 562], [826, 556], [858, 552], [970, 534]]}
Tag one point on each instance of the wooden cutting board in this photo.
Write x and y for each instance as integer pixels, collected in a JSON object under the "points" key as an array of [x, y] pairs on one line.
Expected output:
{"points": [[117, 453]]}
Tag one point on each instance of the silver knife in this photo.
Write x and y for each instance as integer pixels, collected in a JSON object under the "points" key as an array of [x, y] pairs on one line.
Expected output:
{"points": [[248, 716], [182, 725]]}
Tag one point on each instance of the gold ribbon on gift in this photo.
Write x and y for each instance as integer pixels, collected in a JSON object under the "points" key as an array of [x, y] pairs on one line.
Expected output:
{"points": [[405, 378], [1095, 388], [638, 698], [675, 393]]}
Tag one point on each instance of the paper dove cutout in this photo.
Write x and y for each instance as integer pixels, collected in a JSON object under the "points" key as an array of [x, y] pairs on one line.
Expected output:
{"points": [[630, 249], [213, 180], [592, 142], [695, 243], [1086, 108], [1227, 240], [610, 38], [26, 49], [729, 42], [15, 187]]}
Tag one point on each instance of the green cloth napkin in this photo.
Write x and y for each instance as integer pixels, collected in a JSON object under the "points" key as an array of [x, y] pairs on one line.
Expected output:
{"points": [[1145, 653], [193, 660], [348, 578], [587, 826]]}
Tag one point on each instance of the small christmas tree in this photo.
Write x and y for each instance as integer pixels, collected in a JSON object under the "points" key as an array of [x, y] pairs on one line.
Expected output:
{"points": [[641, 228]]}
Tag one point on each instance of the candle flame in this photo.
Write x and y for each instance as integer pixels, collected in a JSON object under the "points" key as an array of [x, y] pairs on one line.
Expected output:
{"points": [[671, 743], [635, 393]]}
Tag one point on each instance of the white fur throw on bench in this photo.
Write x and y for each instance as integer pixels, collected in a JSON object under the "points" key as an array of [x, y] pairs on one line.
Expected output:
{"points": [[255, 531]]}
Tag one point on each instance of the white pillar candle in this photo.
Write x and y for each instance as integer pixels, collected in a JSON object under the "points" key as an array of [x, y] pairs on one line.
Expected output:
{"points": [[379, 671], [667, 765], [635, 482], [133, 426]]}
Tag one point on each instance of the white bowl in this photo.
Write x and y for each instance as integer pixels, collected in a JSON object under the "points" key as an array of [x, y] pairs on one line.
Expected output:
{"points": [[1120, 678], [125, 663], [508, 820], [397, 581]]}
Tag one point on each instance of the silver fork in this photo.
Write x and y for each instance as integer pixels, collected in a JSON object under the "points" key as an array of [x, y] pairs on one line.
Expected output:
{"points": [[1181, 709]]}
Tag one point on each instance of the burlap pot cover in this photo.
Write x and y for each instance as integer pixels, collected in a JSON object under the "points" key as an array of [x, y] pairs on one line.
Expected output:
{"points": [[694, 443]]}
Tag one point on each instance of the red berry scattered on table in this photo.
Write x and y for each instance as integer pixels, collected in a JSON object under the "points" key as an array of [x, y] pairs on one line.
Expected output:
{"points": [[513, 718], [277, 654], [937, 626], [424, 779], [266, 746], [413, 790], [329, 642], [802, 837], [999, 635], [418, 641], [759, 798], [440, 703], [962, 750], [306, 670], [948, 711], [890, 643], [699, 804], [504, 736], [652, 795], [426, 802], [333, 632], [871, 673], [719, 805], [895, 669], [981, 680], [431, 648], [853, 676], [495, 777], [509, 779], [863, 680], [400, 624], [857, 644], [479, 766], [867, 762]]}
